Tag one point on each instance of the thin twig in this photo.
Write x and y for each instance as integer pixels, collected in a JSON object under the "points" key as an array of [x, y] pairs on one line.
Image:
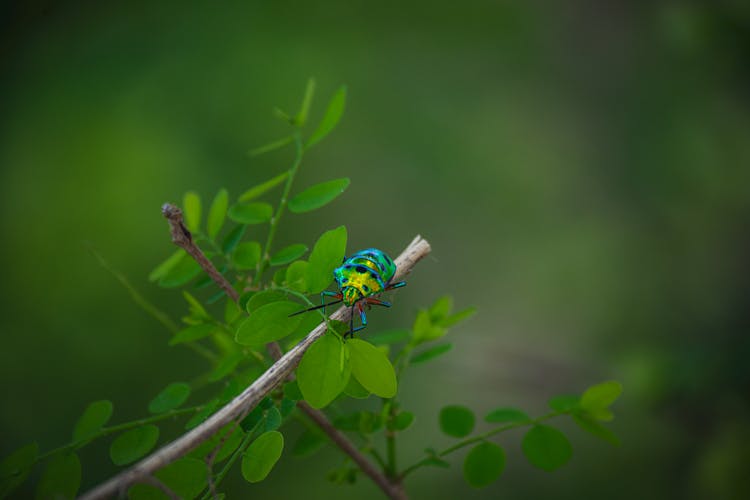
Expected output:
{"points": [[251, 396]]}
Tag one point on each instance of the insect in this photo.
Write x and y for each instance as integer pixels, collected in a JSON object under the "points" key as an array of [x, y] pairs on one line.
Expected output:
{"points": [[360, 278]]}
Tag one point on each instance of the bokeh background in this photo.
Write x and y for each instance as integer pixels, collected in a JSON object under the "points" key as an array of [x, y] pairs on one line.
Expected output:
{"points": [[581, 169]]}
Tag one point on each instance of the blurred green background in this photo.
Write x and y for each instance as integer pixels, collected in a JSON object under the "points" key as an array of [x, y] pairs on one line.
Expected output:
{"points": [[580, 168]]}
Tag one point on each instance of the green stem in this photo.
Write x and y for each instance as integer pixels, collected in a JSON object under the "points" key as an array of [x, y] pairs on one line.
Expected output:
{"points": [[390, 442], [482, 437], [265, 256], [105, 431], [239, 451]]}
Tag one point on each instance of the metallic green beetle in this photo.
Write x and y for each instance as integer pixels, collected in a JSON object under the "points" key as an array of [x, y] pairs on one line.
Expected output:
{"points": [[360, 277]]}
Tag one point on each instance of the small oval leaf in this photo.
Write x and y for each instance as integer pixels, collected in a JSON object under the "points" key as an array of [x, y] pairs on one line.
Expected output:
{"points": [[546, 447], [601, 396], [261, 456], [372, 368], [268, 323], [321, 375], [252, 213], [169, 398], [192, 333], [61, 478], [333, 114], [326, 255], [191, 204], [94, 417], [318, 195], [133, 444], [456, 421], [484, 464], [246, 255], [217, 213], [186, 477], [500, 415], [263, 188], [288, 254]]}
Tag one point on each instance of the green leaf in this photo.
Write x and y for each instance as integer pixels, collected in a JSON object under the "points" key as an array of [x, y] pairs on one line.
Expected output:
{"points": [[133, 444], [252, 213], [94, 417], [601, 396], [246, 255], [61, 478], [268, 323], [431, 353], [261, 456], [308, 443], [546, 447], [456, 421], [169, 398], [389, 337], [227, 440], [226, 366], [217, 213], [291, 391], [192, 209], [296, 275], [304, 109], [324, 370], [596, 429], [200, 416], [355, 390], [192, 333], [186, 477], [197, 311], [402, 421], [500, 415], [162, 269], [372, 368], [441, 308], [331, 118], [424, 330], [288, 254], [15, 468], [564, 403], [271, 146], [484, 464], [263, 188], [318, 195], [273, 419], [233, 238], [326, 255], [263, 298], [458, 317], [180, 273]]}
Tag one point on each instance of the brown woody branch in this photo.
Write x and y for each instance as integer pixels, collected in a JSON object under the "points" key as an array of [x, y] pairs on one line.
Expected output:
{"points": [[276, 375]]}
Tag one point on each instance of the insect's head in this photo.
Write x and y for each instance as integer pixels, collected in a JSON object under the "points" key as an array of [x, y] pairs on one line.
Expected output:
{"points": [[351, 295]]}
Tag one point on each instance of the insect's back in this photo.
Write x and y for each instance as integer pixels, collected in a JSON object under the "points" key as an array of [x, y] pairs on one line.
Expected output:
{"points": [[377, 260]]}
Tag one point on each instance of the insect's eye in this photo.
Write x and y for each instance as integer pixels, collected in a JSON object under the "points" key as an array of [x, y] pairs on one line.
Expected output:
{"points": [[344, 280], [361, 269], [365, 288]]}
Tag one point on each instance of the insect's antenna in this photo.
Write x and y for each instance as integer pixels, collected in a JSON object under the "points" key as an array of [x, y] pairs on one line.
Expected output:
{"points": [[316, 307]]}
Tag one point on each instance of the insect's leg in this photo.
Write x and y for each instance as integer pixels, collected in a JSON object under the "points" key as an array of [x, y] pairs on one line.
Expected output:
{"points": [[395, 285], [323, 295], [378, 302]]}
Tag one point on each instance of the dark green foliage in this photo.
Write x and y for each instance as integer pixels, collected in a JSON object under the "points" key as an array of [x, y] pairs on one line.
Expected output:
{"points": [[261, 456], [484, 464], [96, 415], [324, 370], [456, 421], [133, 444], [170, 398], [61, 477], [318, 195], [232, 337], [546, 447]]}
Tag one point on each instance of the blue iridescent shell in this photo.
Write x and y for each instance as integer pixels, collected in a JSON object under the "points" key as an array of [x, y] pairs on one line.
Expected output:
{"points": [[365, 273]]}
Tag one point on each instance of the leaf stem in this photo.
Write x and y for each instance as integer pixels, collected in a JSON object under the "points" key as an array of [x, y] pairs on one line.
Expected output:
{"points": [[482, 437], [105, 431], [265, 256]]}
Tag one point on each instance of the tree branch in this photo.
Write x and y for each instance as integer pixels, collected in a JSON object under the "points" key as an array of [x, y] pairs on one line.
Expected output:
{"points": [[252, 395]]}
